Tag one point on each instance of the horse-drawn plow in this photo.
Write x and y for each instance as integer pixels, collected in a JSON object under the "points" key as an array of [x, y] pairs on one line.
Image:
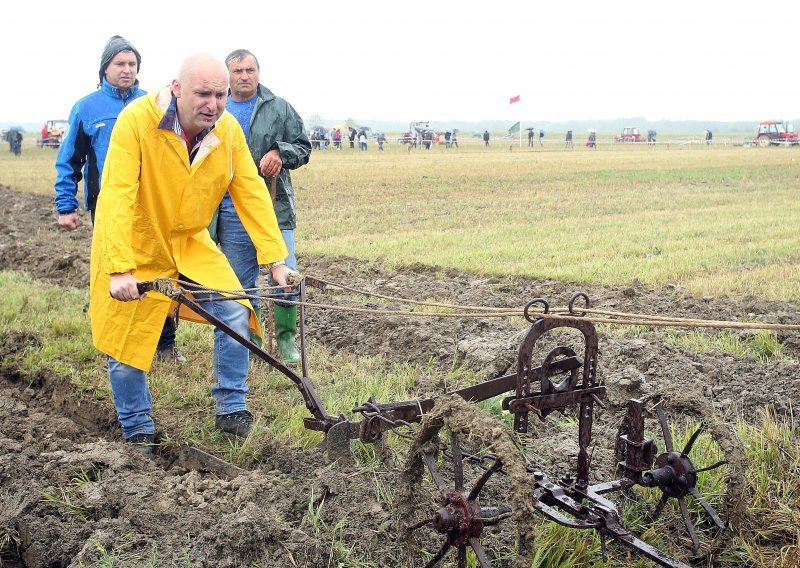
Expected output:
{"points": [[465, 473]]}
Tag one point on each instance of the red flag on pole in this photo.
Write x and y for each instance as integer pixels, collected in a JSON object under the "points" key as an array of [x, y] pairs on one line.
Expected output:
{"points": [[514, 100]]}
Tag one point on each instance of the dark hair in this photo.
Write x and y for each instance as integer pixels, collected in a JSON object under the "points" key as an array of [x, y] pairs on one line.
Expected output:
{"points": [[240, 54]]}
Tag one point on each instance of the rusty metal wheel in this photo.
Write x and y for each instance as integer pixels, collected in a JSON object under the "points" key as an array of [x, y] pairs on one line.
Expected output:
{"points": [[448, 495], [675, 472]]}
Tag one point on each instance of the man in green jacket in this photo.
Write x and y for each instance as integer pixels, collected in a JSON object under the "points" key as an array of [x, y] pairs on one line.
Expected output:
{"points": [[278, 143]]}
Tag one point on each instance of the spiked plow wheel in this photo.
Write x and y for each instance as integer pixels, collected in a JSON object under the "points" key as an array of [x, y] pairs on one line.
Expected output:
{"points": [[676, 472], [445, 501]]}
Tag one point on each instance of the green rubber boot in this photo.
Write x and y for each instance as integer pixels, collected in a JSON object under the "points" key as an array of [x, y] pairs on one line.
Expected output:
{"points": [[285, 328]]}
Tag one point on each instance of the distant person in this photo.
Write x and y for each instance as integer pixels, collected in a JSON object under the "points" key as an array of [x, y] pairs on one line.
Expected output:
{"points": [[569, 139], [651, 136], [447, 136], [14, 138], [381, 141], [337, 139], [530, 137], [352, 138], [591, 141], [427, 139], [541, 137], [708, 137], [362, 141], [454, 140], [486, 138], [83, 150]]}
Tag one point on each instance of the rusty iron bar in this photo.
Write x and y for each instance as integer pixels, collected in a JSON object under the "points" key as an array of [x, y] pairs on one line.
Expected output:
{"points": [[639, 450], [580, 511], [312, 401], [411, 411]]}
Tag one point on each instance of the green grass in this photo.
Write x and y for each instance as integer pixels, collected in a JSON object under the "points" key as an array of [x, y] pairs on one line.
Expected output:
{"points": [[762, 345], [715, 220]]}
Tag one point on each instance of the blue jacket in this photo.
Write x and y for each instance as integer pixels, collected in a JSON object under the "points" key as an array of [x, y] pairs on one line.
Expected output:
{"points": [[83, 149]]}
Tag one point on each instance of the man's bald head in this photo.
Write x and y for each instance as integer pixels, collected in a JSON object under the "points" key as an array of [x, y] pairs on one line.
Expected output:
{"points": [[202, 91], [201, 63]]}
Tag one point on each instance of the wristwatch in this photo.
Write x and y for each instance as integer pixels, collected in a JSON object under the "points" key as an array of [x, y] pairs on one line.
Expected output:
{"points": [[276, 263]]}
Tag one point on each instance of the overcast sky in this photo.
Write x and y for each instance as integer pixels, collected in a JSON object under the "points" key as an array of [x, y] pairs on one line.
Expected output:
{"points": [[431, 60]]}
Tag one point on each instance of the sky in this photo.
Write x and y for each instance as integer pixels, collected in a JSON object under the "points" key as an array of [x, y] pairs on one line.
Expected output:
{"points": [[437, 60]]}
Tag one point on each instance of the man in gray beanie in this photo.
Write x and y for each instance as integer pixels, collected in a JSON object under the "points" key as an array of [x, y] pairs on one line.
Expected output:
{"points": [[83, 149], [117, 44]]}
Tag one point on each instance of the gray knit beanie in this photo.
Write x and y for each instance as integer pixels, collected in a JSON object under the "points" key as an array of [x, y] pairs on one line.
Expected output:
{"points": [[114, 46]]}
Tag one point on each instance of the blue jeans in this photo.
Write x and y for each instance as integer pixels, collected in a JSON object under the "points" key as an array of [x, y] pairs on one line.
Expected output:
{"points": [[241, 253], [231, 363]]}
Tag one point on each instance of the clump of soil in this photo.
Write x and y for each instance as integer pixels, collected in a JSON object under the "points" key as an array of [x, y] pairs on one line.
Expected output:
{"points": [[69, 489]]}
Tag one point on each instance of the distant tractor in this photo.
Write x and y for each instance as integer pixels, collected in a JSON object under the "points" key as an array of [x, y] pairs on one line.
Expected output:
{"points": [[53, 133], [775, 132], [418, 133], [629, 134]]}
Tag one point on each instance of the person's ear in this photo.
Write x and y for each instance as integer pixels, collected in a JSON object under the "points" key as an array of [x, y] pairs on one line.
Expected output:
{"points": [[176, 88]]}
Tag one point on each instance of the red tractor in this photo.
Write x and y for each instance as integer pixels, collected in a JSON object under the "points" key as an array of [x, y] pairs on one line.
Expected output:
{"points": [[775, 132], [53, 133], [629, 134]]}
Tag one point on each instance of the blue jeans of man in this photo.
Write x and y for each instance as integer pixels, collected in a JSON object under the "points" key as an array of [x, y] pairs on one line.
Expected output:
{"points": [[132, 397], [241, 253]]}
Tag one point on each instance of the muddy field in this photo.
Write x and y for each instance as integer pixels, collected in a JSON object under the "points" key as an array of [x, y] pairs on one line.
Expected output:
{"points": [[170, 511]]}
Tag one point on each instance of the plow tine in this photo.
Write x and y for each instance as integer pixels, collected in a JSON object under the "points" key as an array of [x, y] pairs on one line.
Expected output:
{"points": [[707, 507], [420, 524], [462, 556], [688, 522], [692, 440], [662, 419], [483, 479], [439, 555], [430, 461], [480, 554], [659, 507], [710, 467], [458, 462]]}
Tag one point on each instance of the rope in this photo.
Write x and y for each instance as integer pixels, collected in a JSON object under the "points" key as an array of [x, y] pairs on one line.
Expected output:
{"points": [[168, 287]]}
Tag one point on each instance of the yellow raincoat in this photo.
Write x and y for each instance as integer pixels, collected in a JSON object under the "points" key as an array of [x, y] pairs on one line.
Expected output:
{"points": [[151, 220]]}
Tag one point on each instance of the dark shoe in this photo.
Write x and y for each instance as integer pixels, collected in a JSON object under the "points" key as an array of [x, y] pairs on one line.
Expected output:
{"points": [[238, 424], [285, 330], [170, 355], [142, 442]]}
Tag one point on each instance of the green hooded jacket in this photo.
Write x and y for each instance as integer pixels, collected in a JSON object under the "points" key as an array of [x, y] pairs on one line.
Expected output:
{"points": [[275, 124]]}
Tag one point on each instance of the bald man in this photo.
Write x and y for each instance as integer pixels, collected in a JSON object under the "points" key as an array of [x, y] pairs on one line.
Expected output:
{"points": [[172, 156]]}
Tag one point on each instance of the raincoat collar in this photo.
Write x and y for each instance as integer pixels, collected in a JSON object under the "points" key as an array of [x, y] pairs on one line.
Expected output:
{"points": [[115, 93], [264, 93], [170, 119]]}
